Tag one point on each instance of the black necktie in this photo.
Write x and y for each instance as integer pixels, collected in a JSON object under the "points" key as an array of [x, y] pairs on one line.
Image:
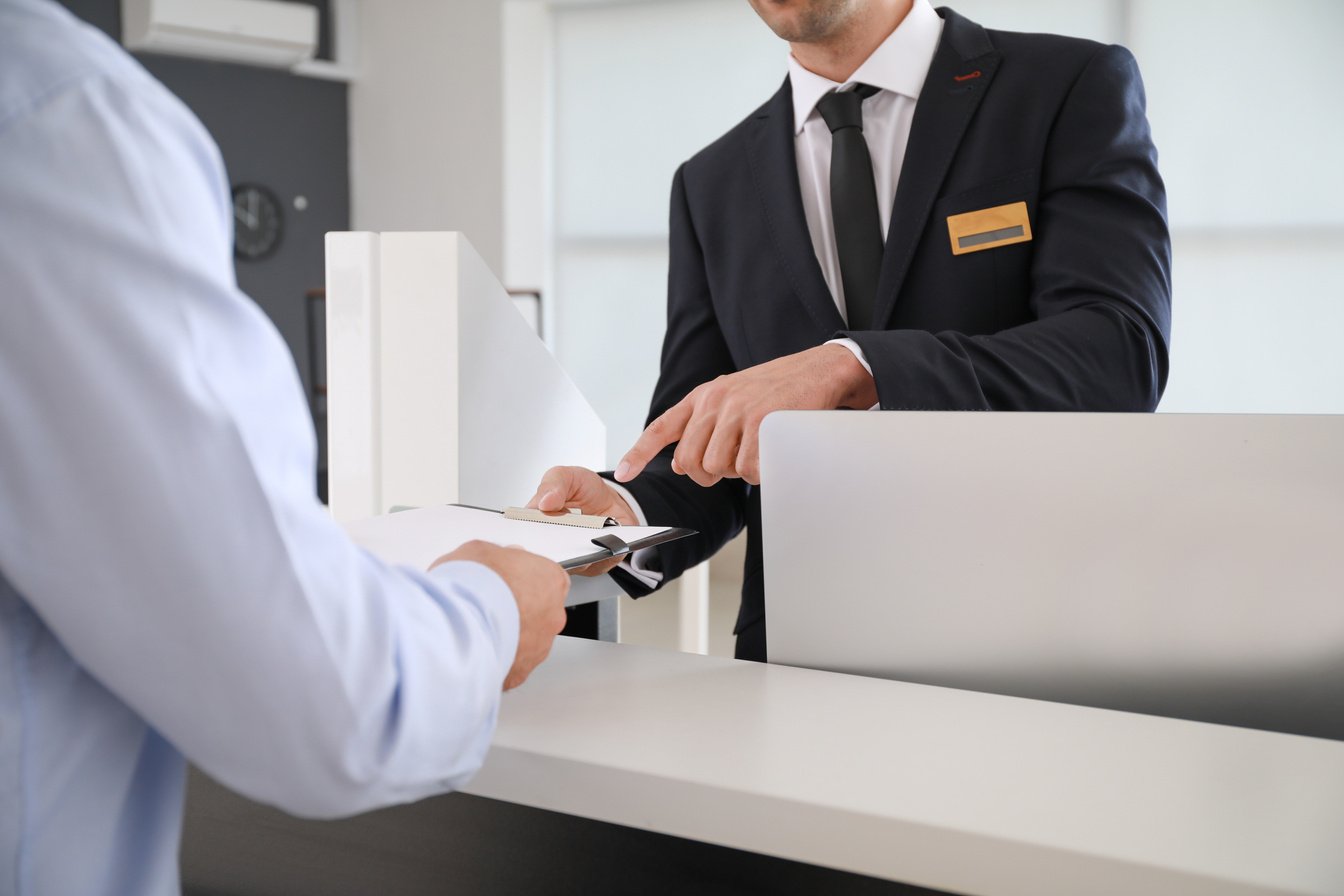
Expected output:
{"points": [[858, 230]]}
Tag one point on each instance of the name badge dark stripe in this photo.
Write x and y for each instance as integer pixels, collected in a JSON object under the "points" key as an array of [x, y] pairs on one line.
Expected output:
{"points": [[993, 236], [989, 228]]}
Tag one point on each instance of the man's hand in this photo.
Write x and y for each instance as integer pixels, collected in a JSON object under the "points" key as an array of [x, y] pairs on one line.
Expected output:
{"points": [[539, 587], [563, 488], [717, 425]]}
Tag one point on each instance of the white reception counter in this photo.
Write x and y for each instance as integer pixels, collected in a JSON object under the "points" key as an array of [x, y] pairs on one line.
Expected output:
{"points": [[959, 791]]}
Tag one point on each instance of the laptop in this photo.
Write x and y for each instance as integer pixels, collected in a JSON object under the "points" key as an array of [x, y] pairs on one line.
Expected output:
{"points": [[1184, 565]]}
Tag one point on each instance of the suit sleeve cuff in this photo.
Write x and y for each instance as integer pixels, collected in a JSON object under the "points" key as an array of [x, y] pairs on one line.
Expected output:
{"points": [[638, 564], [858, 356]]}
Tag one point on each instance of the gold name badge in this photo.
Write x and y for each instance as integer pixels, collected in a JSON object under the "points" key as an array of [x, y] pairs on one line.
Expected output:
{"points": [[989, 228]]}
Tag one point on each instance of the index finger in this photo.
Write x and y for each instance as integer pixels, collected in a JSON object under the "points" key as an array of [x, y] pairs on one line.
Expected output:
{"points": [[659, 434]]}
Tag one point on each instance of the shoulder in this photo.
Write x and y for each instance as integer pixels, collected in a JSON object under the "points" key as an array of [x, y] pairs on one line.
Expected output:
{"points": [[90, 139], [1041, 57], [1029, 45], [1040, 71], [723, 157], [46, 53], [1056, 70]]}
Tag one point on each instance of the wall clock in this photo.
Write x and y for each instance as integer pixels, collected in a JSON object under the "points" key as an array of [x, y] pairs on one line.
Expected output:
{"points": [[257, 222]]}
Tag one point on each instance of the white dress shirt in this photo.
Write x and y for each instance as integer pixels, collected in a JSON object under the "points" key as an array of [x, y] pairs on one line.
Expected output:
{"points": [[169, 584], [898, 68]]}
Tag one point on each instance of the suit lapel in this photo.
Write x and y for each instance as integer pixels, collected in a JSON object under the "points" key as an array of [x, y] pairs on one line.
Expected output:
{"points": [[774, 171], [958, 80]]}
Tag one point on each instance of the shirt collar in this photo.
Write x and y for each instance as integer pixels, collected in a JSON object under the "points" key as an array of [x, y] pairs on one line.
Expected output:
{"points": [[899, 64]]}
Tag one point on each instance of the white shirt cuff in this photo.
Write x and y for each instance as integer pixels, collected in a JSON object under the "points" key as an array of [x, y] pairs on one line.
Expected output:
{"points": [[858, 356], [636, 563]]}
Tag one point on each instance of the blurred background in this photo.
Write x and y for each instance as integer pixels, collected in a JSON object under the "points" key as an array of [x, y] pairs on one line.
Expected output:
{"points": [[549, 130]]}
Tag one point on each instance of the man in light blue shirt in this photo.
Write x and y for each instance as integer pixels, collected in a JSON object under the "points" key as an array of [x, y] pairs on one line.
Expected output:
{"points": [[169, 585]]}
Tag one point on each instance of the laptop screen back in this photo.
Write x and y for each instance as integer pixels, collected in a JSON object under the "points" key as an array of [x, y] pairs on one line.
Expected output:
{"points": [[1182, 565]]}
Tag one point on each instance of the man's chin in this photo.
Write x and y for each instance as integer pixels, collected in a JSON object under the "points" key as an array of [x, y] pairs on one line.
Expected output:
{"points": [[800, 21]]}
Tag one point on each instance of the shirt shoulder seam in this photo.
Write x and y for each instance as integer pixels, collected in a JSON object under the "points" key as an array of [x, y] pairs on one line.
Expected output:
{"points": [[34, 103]]}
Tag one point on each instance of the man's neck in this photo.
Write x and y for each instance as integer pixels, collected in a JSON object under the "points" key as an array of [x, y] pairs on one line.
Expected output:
{"points": [[840, 54]]}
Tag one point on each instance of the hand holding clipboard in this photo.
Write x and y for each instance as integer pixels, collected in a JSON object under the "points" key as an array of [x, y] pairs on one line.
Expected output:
{"points": [[419, 537]]}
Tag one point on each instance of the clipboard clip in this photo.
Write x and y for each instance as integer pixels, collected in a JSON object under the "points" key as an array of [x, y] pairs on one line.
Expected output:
{"points": [[563, 518], [616, 546]]}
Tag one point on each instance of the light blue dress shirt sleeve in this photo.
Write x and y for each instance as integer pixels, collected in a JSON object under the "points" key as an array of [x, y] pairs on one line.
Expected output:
{"points": [[164, 566]]}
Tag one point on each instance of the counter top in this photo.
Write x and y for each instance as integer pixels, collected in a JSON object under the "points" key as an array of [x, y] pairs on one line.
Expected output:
{"points": [[954, 790]]}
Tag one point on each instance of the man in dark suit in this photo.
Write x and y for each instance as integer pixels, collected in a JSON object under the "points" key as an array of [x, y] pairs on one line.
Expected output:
{"points": [[927, 216]]}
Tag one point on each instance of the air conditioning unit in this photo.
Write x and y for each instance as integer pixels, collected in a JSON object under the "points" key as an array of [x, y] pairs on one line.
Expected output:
{"points": [[254, 32]]}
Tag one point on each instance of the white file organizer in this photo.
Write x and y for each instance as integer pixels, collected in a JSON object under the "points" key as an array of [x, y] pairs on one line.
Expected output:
{"points": [[438, 391]]}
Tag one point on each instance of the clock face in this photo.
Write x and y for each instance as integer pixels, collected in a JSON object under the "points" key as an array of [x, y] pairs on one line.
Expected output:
{"points": [[257, 222]]}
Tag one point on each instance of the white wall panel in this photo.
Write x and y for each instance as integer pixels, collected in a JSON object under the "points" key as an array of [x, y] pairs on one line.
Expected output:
{"points": [[611, 331], [639, 89], [426, 121], [1243, 105], [526, 64], [1256, 325]]}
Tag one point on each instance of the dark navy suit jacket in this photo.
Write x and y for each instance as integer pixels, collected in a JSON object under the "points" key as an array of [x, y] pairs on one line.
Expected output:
{"points": [[1077, 319]]}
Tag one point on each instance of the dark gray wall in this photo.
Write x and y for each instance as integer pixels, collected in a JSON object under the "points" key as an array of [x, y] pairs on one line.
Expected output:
{"points": [[286, 132]]}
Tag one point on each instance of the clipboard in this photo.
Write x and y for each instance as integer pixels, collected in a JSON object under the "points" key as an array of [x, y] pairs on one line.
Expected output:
{"points": [[418, 537]]}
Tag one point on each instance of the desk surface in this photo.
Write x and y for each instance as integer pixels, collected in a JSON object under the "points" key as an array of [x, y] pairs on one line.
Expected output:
{"points": [[954, 790]]}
